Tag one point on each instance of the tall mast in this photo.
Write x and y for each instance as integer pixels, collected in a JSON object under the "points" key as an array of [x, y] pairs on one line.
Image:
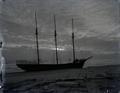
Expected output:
{"points": [[73, 40], [55, 35], [36, 33]]}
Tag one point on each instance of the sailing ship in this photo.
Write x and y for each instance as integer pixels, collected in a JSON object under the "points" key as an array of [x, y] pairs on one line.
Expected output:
{"points": [[77, 63]]}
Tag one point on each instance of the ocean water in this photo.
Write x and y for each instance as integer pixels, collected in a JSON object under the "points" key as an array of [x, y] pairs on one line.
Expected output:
{"points": [[12, 68], [65, 86], [87, 80]]}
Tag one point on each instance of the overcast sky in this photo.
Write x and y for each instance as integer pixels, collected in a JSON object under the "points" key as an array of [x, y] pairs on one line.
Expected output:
{"points": [[96, 27]]}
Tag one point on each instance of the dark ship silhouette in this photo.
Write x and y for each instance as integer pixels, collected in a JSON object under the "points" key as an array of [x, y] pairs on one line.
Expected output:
{"points": [[77, 63]]}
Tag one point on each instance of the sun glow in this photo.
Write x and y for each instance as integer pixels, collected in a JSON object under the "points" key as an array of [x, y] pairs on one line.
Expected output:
{"points": [[59, 49]]}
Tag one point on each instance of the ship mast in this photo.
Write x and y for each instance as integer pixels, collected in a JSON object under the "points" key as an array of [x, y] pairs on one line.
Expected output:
{"points": [[36, 33], [55, 35], [73, 40]]}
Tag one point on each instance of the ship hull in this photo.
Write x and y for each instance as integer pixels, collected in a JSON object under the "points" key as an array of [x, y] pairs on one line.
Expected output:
{"points": [[45, 67]]}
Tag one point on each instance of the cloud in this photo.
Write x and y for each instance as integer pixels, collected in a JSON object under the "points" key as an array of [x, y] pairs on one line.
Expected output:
{"points": [[96, 25]]}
